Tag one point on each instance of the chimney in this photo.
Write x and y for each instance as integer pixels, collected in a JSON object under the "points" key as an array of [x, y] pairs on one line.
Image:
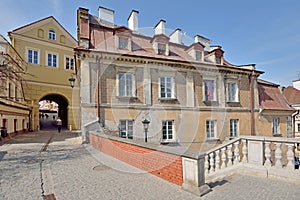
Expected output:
{"points": [[133, 21], [160, 27], [106, 15], [202, 40], [176, 36]]}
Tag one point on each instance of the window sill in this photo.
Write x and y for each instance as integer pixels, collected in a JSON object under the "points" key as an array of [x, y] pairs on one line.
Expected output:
{"points": [[166, 142], [212, 140], [167, 99], [233, 102], [127, 97], [211, 103]]}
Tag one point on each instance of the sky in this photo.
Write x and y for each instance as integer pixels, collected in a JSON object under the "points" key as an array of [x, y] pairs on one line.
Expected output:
{"points": [[261, 32]]}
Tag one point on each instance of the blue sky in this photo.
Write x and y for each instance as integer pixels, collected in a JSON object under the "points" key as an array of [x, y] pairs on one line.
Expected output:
{"points": [[265, 33]]}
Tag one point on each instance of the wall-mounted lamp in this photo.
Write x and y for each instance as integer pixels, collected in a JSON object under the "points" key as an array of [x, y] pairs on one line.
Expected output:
{"points": [[72, 82]]}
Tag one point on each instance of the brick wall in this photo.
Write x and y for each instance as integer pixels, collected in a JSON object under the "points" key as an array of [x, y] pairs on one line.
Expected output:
{"points": [[163, 165]]}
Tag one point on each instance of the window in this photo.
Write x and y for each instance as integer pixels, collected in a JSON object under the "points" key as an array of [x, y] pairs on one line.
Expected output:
{"points": [[126, 129], [275, 126], [298, 127], [167, 131], [234, 128], [52, 35], [123, 43], [33, 56], [218, 60], [161, 49], [211, 129], [69, 63], [52, 60], [16, 93], [198, 55], [166, 87], [125, 84], [9, 90], [232, 92], [210, 90]]}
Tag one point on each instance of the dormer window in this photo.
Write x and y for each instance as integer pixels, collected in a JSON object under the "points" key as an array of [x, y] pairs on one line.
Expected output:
{"points": [[198, 55], [123, 43], [218, 60], [52, 35], [161, 49]]}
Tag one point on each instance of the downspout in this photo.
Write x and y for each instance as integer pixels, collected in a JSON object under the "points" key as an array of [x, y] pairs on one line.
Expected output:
{"points": [[293, 123], [98, 58], [252, 117]]}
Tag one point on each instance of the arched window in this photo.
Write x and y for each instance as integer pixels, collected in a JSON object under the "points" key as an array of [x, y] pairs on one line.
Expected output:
{"points": [[52, 35]]}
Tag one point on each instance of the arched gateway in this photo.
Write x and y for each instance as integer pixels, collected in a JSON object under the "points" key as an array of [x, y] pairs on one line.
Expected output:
{"points": [[48, 113]]}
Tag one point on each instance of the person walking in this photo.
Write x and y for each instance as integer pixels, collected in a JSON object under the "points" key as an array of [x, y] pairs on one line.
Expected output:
{"points": [[59, 124]]}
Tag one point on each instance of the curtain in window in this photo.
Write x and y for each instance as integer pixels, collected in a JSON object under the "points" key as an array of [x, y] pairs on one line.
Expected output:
{"points": [[209, 90]]}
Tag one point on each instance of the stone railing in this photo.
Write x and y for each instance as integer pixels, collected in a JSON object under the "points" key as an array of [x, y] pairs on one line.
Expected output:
{"points": [[266, 155]]}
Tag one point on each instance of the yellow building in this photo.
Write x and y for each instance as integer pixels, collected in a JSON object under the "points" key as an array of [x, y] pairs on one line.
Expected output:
{"points": [[14, 112], [48, 49]]}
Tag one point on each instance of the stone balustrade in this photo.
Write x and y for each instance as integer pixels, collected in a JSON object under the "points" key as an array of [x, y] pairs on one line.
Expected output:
{"points": [[267, 155]]}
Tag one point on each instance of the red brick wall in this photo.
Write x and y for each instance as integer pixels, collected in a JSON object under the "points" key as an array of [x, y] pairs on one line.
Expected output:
{"points": [[163, 165]]}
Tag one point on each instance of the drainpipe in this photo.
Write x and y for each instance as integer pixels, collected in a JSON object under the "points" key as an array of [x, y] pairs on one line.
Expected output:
{"points": [[293, 123], [252, 103], [98, 58]]}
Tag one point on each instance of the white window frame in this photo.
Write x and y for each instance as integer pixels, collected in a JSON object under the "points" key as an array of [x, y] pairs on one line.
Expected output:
{"points": [[168, 94], [69, 63], [211, 129], [126, 93], [230, 96], [205, 98], [275, 126], [33, 57], [51, 34], [234, 127], [168, 124], [120, 43], [52, 54], [198, 55], [126, 129], [159, 52]]}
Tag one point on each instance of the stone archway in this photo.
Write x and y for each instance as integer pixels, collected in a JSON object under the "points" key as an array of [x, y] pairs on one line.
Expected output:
{"points": [[62, 108]]}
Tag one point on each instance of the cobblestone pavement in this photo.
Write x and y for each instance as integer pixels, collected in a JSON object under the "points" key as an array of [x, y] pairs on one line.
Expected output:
{"points": [[45, 163]]}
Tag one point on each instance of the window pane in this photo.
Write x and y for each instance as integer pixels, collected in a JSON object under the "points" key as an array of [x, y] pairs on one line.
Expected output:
{"points": [[35, 57], [54, 61], [209, 89], [30, 56], [121, 85], [49, 59]]}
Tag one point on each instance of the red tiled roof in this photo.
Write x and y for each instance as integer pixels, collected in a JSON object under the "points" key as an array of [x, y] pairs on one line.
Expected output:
{"points": [[271, 98], [102, 39], [292, 95]]}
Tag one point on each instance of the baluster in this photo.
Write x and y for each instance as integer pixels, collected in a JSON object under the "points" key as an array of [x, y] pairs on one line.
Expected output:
{"points": [[213, 162], [236, 158], [223, 157], [207, 164], [290, 156], [230, 155], [245, 151], [268, 154], [217, 157], [278, 154]]}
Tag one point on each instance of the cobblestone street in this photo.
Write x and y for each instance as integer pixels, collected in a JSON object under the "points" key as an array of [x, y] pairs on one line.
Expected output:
{"points": [[45, 163]]}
